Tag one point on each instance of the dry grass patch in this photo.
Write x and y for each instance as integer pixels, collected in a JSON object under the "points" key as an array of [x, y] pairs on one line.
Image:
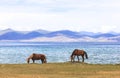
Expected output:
{"points": [[59, 70]]}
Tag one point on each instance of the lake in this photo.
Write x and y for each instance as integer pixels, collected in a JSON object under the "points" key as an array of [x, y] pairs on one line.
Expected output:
{"points": [[98, 52]]}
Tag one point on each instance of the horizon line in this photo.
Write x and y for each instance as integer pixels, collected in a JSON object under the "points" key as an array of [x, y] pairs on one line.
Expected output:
{"points": [[55, 30]]}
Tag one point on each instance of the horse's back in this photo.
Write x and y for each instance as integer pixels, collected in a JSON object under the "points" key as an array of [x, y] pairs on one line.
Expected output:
{"points": [[78, 52], [38, 56]]}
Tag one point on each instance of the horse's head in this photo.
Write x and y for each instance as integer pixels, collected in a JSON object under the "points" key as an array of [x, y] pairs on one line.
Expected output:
{"points": [[45, 61], [71, 58], [28, 60]]}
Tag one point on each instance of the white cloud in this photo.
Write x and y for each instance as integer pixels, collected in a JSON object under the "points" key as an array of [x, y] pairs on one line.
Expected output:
{"points": [[106, 28], [40, 1], [78, 15]]}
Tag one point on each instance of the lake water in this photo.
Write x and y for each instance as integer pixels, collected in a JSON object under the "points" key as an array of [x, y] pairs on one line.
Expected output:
{"points": [[98, 53]]}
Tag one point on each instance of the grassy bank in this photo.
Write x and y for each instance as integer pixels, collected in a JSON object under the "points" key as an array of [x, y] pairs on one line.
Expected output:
{"points": [[59, 70]]}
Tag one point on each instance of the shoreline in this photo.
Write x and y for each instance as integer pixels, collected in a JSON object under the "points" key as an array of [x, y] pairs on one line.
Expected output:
{"points": [[58, 63]]}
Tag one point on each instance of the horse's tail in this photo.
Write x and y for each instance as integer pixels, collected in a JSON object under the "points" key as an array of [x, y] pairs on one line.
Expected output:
{"points": [[86, 55]]}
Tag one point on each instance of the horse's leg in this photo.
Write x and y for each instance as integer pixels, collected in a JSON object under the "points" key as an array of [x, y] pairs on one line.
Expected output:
{"points": [[33, 61], [83, 58], [74, 58], [78, 59], [42, 61]]}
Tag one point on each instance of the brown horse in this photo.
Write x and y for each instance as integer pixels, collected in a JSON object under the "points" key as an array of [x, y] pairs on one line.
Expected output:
{"points": [[35, 56], [78, 53]]}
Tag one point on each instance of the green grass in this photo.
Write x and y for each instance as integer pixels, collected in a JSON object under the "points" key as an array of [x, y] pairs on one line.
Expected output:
{"points": [[59, 70]]}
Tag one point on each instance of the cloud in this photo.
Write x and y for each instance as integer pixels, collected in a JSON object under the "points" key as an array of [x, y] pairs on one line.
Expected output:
{"points": [[77, 15], [106, 28], [61, 5]]}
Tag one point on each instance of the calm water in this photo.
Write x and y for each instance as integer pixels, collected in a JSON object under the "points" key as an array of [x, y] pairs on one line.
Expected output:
{"points": [[99, 53]]}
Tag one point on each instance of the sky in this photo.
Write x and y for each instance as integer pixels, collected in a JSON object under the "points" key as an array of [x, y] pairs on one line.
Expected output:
{"points": [[52, 15]]}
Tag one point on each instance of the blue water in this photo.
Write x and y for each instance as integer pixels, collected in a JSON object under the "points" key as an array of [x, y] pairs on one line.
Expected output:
{"points": [[98, 53]]}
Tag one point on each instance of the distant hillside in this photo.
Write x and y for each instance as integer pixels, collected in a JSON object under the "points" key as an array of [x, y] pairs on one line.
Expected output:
{"points": [[62, 35]]}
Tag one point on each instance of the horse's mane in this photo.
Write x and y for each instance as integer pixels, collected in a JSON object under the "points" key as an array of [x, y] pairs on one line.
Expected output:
{"points": [[73, 52], [34, 54]]}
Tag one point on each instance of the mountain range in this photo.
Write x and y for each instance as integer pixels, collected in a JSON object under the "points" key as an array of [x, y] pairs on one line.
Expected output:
{"points": [[58, 36]]}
